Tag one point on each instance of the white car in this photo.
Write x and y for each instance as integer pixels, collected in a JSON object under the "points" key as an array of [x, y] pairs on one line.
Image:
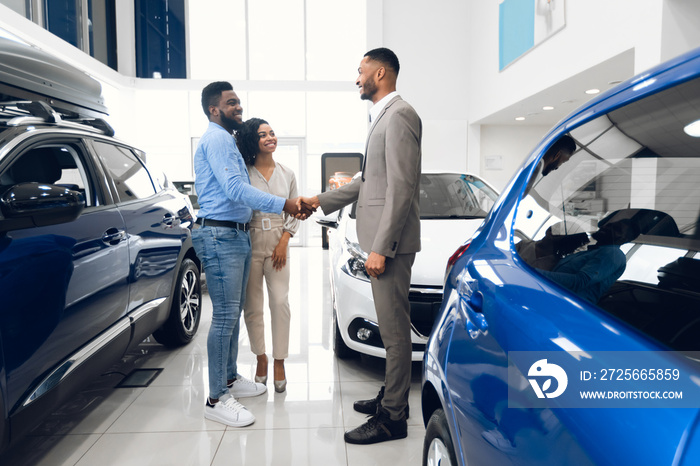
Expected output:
{"points": [[452, 206]]}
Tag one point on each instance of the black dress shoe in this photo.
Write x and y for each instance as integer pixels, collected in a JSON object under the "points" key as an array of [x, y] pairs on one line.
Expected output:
{"points": [[370, 406], [379, 428]]}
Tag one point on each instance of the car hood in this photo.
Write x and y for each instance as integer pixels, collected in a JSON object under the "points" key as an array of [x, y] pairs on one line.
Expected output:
{"points": [[439, 240]]}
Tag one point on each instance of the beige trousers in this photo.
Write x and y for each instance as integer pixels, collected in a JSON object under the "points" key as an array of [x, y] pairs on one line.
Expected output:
{"points": [[263, 244]]}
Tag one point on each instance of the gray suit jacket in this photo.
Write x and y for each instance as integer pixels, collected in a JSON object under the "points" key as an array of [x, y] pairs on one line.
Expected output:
{"points": [[388, 217]]}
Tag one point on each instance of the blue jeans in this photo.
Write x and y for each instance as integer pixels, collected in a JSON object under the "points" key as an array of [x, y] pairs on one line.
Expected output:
{"points": [[225, 254]]}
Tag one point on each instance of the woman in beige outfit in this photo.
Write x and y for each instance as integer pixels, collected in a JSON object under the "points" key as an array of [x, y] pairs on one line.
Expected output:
{"points": [[269, 235]]}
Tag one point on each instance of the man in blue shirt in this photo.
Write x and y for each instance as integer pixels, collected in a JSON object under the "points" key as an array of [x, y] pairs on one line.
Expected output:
{"points": [[590, 273], [222, 243]]}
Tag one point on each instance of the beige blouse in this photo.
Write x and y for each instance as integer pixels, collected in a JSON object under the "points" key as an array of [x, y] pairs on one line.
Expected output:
{"points": [[282, 183]]}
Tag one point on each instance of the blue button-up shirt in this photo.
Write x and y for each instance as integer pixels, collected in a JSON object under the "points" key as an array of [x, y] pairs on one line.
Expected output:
{"points": [[222, 183]]}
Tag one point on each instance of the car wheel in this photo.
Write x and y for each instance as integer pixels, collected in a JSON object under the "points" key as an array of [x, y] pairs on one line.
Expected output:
{"points": [[185, 310], [438, 449], [341, 350]]}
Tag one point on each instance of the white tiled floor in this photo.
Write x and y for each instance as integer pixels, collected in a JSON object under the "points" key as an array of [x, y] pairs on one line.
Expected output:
{"points": [[163, 424]]}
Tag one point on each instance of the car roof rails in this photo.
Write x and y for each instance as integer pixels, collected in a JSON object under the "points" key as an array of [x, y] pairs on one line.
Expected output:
{"points": [[39, 112]]}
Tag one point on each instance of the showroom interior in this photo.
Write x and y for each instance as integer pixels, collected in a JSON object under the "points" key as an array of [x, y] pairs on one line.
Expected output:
{"points": [[294, 63]]}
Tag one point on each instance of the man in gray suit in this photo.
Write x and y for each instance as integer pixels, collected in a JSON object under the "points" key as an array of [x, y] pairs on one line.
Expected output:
{"points": [[388, 227]]}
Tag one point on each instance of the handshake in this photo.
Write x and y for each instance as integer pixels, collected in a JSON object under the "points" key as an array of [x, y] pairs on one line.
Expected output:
{"points": [[301, 207]]}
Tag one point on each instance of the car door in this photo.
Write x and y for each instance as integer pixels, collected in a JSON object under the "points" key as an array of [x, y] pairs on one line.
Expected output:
{"points": [[508, 308], [62, 284], [154, 223]]}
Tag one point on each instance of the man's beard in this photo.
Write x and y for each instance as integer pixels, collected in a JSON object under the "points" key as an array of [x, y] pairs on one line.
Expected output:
{"points": [[231, 124], [547, 169], [603, 237], [369, 88]]}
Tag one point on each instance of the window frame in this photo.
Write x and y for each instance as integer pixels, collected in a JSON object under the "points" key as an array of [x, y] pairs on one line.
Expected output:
{"points": [[109, 180]]}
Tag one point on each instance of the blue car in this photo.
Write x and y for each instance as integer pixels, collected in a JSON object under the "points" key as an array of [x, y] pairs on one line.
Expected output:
{"points": [[570, 322]]}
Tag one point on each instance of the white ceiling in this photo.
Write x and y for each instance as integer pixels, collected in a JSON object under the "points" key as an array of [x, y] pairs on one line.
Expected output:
{"points": [[565, 96]]}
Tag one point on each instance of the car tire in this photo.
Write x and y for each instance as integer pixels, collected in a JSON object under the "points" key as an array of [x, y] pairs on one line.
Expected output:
{"points": [[438, 448], [341, 350], [185, 308]]}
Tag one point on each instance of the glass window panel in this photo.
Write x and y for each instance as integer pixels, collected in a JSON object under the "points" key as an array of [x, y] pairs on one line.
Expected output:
{"points": [[285, 111], [336, 38], [19, 6], [131, 180], [62, 18], [160, 39], [637, 165], [613, 146], [59, 165], [73, 173], [313, 174], [585, 134], [102, 30], [449, 195], [288, 153], [336, 122], [207, 34], [643, 263], [276, 32]]}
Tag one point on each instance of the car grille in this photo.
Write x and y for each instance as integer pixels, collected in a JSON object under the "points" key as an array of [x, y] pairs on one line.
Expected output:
{"points": [[425, 307]]}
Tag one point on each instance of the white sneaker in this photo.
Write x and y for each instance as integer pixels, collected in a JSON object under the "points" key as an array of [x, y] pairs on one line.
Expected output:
{"points": [[228, 411], [242, 387]]}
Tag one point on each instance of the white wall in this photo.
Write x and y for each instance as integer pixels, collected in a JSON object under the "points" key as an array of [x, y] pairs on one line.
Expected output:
{"points": [[449, 72], [595, 31], [510, 145], [430, 40], [680, 27]]}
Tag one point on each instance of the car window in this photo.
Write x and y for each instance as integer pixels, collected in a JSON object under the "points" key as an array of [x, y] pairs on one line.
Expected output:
{"points": [[58, 164], [452, 196], [639, 163], [130, 178]]}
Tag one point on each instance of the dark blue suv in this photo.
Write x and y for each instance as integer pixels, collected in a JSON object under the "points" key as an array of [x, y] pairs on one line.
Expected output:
{"points": [[570, 326], [95, 251]]}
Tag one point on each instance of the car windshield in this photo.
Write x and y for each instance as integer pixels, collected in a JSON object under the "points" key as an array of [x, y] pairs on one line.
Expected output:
{"points": [[453, 196]]}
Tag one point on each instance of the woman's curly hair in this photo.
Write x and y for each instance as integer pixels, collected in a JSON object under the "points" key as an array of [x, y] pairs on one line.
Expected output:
{"points": [[247, 139]]}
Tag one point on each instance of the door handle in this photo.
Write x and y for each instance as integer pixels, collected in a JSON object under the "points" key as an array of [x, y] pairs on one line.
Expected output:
{"points": [[476, 323], [168, 220], [113, 236], [476, 301], [472, 302]]}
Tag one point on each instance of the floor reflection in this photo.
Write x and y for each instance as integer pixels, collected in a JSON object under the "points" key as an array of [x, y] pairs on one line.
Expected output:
{"points": [[163, 423]]}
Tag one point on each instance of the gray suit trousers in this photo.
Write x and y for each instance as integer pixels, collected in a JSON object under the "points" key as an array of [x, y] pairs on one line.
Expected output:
{"points": [[390, 293]]}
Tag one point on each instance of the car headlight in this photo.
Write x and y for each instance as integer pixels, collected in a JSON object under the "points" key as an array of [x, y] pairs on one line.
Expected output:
{"points": [[355, 265]]}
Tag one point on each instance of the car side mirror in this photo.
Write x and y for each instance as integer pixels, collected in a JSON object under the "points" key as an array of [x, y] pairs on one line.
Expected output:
{"points": [[28, 205], [329, 221]]}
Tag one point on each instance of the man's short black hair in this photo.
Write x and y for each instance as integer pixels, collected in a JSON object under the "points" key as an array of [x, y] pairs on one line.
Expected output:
{"points": [[386, 57], [212, 93], [565, 143]]}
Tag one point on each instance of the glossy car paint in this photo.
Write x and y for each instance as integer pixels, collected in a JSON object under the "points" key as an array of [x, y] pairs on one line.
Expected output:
{"points": [[494, 304], [104, 281]]}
